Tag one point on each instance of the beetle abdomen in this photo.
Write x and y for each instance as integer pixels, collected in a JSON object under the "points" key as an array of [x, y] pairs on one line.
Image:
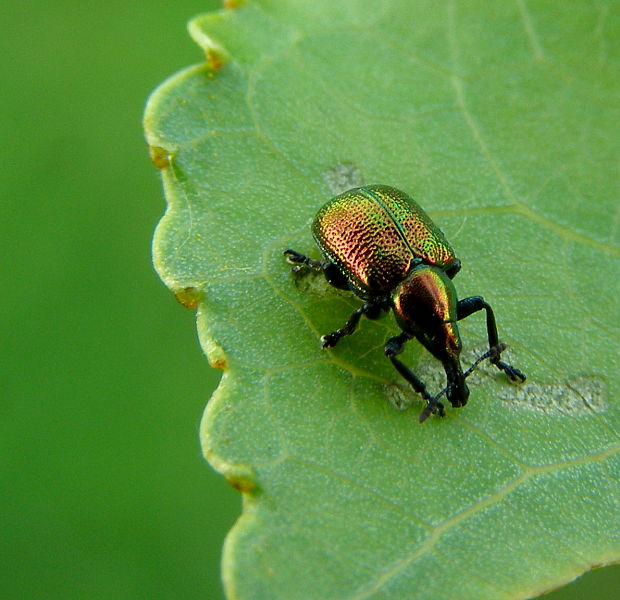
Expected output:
{"points": [[373, 233]]}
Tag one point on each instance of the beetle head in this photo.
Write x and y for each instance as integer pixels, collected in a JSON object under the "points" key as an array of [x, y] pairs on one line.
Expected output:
{"points": [[425, 306]]}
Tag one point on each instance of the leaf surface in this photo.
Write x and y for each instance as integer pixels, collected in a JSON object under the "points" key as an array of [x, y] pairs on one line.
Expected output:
{"points": [[502, 121]]}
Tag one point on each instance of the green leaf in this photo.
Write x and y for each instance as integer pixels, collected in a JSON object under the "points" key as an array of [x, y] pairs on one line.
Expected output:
{"points": [[501, 119]]}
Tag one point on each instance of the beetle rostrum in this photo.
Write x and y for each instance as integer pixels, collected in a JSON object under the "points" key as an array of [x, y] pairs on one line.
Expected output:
{"points": [[379, 243]]}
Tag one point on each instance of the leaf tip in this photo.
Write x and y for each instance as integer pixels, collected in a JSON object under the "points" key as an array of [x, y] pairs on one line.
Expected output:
{"points": [[239, 476], [214, 352], [160, 157], [242, 483], [215, 54], [189, 297], [219, 363], [215, 59]]}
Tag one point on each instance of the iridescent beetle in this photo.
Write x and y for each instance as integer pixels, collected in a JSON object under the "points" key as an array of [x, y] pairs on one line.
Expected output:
{"points": [[378, 243]]}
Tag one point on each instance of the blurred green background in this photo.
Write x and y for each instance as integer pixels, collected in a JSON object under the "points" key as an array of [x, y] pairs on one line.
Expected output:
{"points": [[104, 491]]}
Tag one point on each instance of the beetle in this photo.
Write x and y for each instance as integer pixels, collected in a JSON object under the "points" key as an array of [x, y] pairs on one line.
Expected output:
{"points": [[378, 242]]}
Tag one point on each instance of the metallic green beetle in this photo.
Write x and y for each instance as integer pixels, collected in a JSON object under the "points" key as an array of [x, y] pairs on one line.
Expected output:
{"points": [[380, 244]]}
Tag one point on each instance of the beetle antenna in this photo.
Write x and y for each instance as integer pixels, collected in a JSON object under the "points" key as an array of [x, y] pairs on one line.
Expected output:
{"points": [[490, 353]]}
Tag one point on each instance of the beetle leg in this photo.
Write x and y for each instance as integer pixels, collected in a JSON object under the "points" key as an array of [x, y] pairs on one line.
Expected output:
{"points": [[330, 270], [298, 259], [331, 339], [466, 307], [395, 346]]}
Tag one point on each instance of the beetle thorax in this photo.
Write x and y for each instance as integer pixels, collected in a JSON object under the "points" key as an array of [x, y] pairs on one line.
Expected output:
{"points": [[425, 305]]}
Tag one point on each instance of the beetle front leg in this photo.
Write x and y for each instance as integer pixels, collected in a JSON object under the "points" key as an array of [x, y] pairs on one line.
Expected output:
{"points": [[331, 339], [395, 346], [466, 307]]}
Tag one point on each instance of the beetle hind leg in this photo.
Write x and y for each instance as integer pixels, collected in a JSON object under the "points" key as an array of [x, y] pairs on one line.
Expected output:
{"points": [[466, 307], [300, 260], [330, 270]]}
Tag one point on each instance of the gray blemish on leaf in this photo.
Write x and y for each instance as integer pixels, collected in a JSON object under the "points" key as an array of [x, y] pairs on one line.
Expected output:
{"points": [[309, 281], [313, 282], [401, 396], [342, 177], [398, 397], [573, 396]]}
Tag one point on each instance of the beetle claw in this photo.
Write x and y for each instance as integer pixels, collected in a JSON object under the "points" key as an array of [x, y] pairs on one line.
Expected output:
{"points": [[513, 373], [329, 340], [433, 407], [292, 257]]}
